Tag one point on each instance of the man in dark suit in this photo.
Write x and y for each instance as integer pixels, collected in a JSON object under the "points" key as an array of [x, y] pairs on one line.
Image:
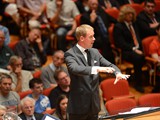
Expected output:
{"points": [[100, 21], [148, 19], [127, 39], [27, 106], [83, 63]]}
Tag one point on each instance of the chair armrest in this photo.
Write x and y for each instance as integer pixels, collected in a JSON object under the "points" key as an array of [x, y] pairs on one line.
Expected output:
{"points": [[123, 97]]}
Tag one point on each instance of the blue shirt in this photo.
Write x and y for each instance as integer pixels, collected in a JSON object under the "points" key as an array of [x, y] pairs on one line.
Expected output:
{"points": [[41, 104], [6, 34]]}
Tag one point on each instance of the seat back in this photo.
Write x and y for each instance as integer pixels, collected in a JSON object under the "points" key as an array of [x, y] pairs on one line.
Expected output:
{"points": [[137, 7], [150, 100], [145, 43], [111, 90], [37, 74], [122, 105], [47, 91], [113, 12], [24, 93]]}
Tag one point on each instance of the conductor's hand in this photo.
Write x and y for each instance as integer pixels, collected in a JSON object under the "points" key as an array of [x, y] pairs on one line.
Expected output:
{"points": [[106, 69], [121, 76]]}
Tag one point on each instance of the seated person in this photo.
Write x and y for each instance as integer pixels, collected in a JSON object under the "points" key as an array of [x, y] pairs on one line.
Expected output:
{"points": [[148, 19], [8, 98], [82, 6], [28, 113], [47, 75], [31, 50], [6, 34], [20, 77], [126, 36], [5, 52], [154, 51], [42, 102], [107, 4], [63, 80], [61, 108]]}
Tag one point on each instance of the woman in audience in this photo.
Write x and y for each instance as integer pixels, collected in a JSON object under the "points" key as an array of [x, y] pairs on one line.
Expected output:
{"points": [[61, 108]]}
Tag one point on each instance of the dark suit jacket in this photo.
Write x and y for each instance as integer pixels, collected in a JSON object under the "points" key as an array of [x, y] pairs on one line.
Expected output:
{"points": [[114, 3], [123, 37], [123, 2], [84, 93], [37, 116], [143, 22]]}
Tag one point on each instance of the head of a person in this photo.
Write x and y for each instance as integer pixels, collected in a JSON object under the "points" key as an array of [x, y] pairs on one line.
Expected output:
{"points": [[27, 106], [36, 86], [127, 14], [93, 4], [5, 84], [2, 38], [58, 58], [149, 7], [158, 30], [85, 36], [3, 110], [61, 104], [34, 34], [15, 63], [62, 78]]}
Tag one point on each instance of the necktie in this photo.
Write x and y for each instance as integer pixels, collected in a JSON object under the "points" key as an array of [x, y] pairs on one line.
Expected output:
{"points": [[88, 57], [133, 35], [102, 26]]}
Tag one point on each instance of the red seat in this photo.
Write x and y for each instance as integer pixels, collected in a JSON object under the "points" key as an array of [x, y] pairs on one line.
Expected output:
{"points": [[122, 105], [37, 74], [12, 44], [24, 94], [150, 100], [47, 91], [113, 12]]}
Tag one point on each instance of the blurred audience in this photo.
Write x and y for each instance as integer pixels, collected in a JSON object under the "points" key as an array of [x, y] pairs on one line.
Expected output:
{"points": [[47, 75], [100, 21], [82, 6], [123, 2], [20, 77], [126, 36], [28, 113], [31, 50], [148, 19], [107, 4], [62, 13], [42, 102], [8, 98], [6, 34], [5, 52], [61, 108], [63, 80]]}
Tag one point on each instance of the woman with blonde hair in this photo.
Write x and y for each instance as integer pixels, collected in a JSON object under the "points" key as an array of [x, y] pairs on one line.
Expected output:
{"points": [[126, 36]]}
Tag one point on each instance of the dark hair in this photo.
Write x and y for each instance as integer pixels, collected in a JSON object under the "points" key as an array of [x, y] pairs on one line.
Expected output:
{"points": [[149, 1], [4, 75], [58, 109], [57, 72], [33, 81], [158, 27]]}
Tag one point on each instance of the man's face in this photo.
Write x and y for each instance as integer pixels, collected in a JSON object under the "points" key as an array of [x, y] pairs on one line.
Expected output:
{"points": [[58, 59], [93, 4], [28, 108], [34, 35], [129, 17], [38, 88], [17, 67], [5, 85], [63, 79], [2, 38], [149, 8], [63, 104]]}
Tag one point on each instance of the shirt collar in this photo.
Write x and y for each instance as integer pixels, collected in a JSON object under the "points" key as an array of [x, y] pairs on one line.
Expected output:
{"points": [[80, 48]]}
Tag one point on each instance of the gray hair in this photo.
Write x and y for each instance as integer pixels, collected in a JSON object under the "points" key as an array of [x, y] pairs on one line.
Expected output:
{"points": [[27, 99]]}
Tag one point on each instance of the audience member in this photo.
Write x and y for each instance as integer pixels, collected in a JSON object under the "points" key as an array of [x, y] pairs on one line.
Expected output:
{"points": [[148, 19], [124, 2], [42, 102], [48, 72], [100, 21], [127, 38], [82, 6], [8, 98], [31, 50], [5, 52], [154, 51], [35, 10], [107, 4], [28, 113], [63, 81], [84, 64], [3, 110], [60, 14], [20, 78], [61, 108], [6, 34]]}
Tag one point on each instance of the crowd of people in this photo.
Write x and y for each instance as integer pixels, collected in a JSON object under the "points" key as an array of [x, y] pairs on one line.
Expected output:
{"points": [[74, 73]]}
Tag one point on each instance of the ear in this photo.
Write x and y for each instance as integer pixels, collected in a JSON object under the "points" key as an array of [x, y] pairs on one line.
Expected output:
{"points": [[81, 38]]}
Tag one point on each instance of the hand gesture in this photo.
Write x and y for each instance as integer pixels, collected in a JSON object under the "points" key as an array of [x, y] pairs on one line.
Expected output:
{"points": [[121, 76], [93, 16]]}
